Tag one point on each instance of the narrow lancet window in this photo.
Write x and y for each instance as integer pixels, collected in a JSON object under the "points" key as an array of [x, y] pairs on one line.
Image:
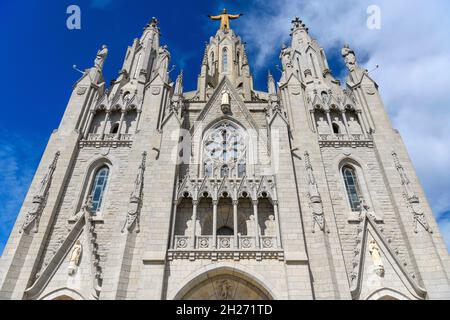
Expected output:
{"points": [[98, 188], [224, 60], [352, 187]]}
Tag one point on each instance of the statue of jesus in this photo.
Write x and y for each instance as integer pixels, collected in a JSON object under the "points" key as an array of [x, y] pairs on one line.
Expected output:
{"points": [[225, 18]]}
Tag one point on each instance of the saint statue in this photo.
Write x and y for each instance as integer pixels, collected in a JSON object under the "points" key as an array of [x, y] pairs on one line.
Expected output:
{"points": [[285, 56], [162, 63], [374, 251], [270, 226], [225, 18], [75, 257], [349, 56], [322, 126], [354, 126], [101, 57]]}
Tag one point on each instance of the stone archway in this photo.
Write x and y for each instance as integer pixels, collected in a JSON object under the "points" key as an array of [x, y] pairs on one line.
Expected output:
{"points": [[224, 283]]}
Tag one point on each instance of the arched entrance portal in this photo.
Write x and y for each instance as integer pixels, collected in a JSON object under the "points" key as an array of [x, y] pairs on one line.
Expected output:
{"points": [[224, 284]]}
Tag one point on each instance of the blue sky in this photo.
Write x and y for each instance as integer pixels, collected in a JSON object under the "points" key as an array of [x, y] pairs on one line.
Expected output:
{"points": [[38, 52]]}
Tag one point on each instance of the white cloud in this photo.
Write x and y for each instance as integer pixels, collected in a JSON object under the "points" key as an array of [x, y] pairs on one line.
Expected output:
{"points": [[413, 52]]}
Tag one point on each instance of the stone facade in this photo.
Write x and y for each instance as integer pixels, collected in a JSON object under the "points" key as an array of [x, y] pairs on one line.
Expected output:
{"points": [[146, 191]]}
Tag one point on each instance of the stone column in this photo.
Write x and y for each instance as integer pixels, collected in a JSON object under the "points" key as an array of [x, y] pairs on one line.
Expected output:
{"points": [[138, 117], [194, 221], [172, 238], [122, 116], [361, 123], [104, 124], [235, 223], [215, 203], [88, 124], [255, 214], [329, 122], [344, 117], [277, 223]]}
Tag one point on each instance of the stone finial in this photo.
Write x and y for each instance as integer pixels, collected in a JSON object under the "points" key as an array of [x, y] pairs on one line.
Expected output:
{"points": [[271, 83], [298, 24]]}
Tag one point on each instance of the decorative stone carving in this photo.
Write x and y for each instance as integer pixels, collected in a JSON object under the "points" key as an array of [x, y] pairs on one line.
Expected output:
{"points": [[40, 198], [286, 58], [75, 256], [135, 199], [81, 90], [375, 252], [271, 229], [412, 200], [314, 197], [225, 289]]}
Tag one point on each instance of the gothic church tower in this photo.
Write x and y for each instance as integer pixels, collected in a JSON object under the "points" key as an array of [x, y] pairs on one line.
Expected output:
{"points": [[146, 191]]}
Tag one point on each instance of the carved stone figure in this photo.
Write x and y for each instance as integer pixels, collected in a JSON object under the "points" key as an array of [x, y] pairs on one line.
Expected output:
{"points": [[286, 58], [162, 63], [75, 256], [322, 126], [375, 252], [349, 57], [224, 289], [353, 126], [101, 57], [270, 226]]}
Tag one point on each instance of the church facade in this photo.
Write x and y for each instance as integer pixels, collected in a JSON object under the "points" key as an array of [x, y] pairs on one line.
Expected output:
{"points": [[303, 191]]}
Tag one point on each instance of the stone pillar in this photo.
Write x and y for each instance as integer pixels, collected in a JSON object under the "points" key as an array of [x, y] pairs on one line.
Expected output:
{"points": [[361, 123], [255, 214], [122, 116], [235, 223], [88, 124], [194, 220], [215, 203], [329, 122], [172, 237], [344, 117], [277, 223], [106, 121]]}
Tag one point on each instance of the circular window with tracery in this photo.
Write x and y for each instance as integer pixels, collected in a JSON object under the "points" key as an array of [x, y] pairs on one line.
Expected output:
{"points": [[224, 151]]}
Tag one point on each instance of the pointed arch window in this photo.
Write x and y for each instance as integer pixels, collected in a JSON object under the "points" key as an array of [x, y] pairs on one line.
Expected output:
{"points": [[98, 188], [352, 187], [224, 60]]}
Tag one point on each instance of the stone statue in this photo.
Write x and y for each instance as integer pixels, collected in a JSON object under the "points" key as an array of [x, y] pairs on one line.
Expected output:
{"points": [[353, 126], [375, 252], [101, 57], [225, 18], [285, 56], [349, 57], [270, 226], [75, 257], [225, 289], [162, 64], [322, 126]]}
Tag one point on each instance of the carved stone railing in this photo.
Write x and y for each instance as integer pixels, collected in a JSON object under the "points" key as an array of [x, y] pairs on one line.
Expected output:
{"points": [[204, 248], [345, 140], [268, 242], [182, 242], [204, 242], [225, 242], [247, 242], [114, 140]]}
